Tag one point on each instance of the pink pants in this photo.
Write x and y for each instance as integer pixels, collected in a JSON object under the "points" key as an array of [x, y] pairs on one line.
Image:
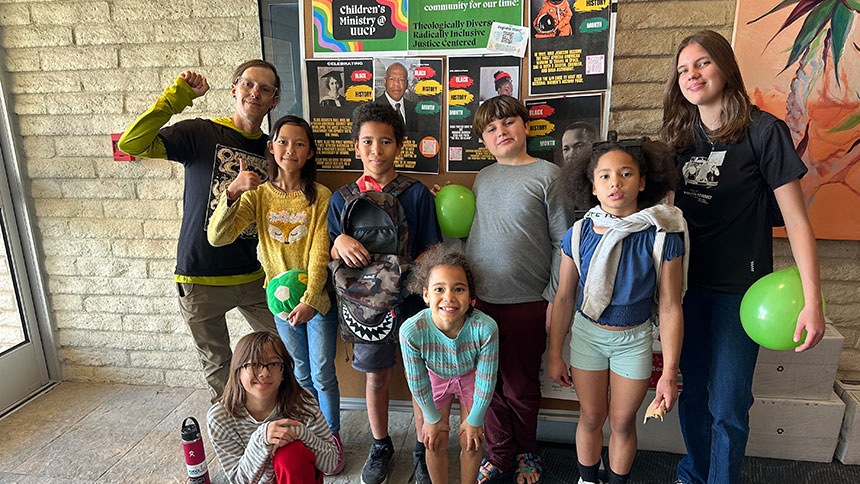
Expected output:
{"points": [[295, 464], [463, 387]]}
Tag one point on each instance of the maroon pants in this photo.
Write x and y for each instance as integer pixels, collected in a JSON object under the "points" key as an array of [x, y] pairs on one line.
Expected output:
{"points": [[295, 464], [510, 426]]}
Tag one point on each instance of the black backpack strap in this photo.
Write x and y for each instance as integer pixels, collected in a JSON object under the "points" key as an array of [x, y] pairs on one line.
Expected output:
{"points": [[399, 185], [347, 191]]}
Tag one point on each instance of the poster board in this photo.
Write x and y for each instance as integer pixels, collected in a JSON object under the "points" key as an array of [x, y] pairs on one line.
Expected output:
{"points": [[352, 381]]}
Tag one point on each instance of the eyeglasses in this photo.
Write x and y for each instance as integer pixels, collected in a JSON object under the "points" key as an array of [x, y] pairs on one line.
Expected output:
{"points": [[397, 80], [257, 368], [249, 85]]}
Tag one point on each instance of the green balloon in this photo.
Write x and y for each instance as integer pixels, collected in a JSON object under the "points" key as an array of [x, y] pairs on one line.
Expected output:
{"points": [[455, 209], [770, 308]]}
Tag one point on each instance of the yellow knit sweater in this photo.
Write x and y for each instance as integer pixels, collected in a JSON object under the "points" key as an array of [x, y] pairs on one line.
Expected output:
{"points": [[293, 234]]}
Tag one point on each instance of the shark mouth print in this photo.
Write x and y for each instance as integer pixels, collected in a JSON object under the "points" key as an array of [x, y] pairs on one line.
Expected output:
{"points": [[372, 334]]}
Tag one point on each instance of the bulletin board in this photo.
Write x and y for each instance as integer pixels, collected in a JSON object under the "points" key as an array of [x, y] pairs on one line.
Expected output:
{"points": [[344, 43]]}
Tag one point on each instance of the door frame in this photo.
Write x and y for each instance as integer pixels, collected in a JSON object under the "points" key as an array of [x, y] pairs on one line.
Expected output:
{"points": [[34, 363]]}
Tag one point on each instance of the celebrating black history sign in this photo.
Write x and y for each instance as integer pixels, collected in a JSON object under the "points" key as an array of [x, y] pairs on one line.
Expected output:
{"points": [[569, 45], [335, 89], [557, 126], [413, 87], [471, 81]]}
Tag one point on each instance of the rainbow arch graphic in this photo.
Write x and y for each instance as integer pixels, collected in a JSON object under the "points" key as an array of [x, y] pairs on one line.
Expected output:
{"points": [[323, 19]]}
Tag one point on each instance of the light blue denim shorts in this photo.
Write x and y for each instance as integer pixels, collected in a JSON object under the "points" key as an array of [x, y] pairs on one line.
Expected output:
{"points": [[626, 352]]}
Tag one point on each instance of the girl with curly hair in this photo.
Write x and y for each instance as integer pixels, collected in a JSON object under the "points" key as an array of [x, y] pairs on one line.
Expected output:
{"points": [[450, 349], [627, 250]]}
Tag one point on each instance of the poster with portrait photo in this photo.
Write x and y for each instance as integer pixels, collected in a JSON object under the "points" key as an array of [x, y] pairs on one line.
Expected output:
{"points": [[559, 125], [335, 89], [471, 81], [570, 45], [496, 80], [413, 87]]}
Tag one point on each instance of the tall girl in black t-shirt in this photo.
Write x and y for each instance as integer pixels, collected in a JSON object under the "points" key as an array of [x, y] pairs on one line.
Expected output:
{"points": [[737, 166]]}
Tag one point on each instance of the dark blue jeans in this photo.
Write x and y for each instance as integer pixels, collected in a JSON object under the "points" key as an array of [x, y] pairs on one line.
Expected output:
{"points": [[717, 364]]}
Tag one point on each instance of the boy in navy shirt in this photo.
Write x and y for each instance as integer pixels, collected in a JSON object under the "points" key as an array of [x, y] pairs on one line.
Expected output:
{"points": [[377, 131]]}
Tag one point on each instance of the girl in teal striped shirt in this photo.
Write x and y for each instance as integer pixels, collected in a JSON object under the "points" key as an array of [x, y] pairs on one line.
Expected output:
{"points": [[450, 349]]}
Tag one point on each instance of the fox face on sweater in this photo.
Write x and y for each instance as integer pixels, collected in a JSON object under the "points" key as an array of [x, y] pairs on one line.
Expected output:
{"points": [[287, 227]]}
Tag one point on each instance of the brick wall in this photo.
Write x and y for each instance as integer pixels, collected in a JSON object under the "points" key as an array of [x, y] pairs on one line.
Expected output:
{"points": [[82, 70]]}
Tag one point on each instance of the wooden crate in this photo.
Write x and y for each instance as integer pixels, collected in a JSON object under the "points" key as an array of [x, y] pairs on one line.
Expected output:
{"points": [[848, 448], [808, 375], [784, 428]]}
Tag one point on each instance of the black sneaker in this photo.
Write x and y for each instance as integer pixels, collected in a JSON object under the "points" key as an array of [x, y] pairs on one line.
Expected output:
{"points": [[378, 464], [419, 469]]}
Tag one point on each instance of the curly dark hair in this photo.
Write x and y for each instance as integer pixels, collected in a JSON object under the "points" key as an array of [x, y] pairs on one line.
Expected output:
{"points": [[440, 255], [655, 162], [379, 113]]}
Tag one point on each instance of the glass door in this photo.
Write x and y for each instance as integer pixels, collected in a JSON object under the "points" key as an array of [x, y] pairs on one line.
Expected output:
{"points": [[23, 367]]}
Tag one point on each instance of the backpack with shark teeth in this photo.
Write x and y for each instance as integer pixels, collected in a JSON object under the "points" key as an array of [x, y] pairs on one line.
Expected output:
{"points": [[369, 298]]}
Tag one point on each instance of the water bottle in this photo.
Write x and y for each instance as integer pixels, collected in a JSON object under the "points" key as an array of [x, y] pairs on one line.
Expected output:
{"points": [[195, 458]]}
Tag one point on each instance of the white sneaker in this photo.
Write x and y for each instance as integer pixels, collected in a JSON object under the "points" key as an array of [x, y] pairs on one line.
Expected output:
{"points": [[588, 482]]}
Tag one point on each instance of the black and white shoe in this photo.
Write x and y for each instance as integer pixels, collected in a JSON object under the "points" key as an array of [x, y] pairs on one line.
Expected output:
{"points": [[378, 464]]}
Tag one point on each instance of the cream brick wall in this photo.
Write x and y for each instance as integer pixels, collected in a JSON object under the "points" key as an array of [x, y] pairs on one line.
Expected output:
{"points": [[80, 70]]}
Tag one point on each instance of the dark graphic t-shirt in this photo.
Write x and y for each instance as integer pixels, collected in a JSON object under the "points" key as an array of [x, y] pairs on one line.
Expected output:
{"points": [[725, 192], [210, 153]]}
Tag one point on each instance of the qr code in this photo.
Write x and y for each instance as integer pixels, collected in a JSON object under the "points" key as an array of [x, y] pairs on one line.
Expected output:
{"points": [[507, 38], [429, 146], [594, 64], [455, 153]]}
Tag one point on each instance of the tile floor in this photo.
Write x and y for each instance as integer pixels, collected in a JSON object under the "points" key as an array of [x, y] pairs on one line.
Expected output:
{"points": [[81, 433]]}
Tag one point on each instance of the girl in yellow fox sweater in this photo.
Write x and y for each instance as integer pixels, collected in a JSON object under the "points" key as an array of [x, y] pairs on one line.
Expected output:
{"points": [[290, 211]]}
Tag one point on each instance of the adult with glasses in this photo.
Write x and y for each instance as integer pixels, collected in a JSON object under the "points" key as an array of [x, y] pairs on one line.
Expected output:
{"points": [[212, 280]]}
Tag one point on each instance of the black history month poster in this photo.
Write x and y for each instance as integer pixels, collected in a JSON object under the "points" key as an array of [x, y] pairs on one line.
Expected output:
{"points": [[413, 87], [558, 125], [570, 45], [335, 89], [471, 81], [458, 26]]}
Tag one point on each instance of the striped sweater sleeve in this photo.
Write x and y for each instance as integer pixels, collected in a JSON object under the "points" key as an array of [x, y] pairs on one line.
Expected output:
{"points": [[241, 447], [316, 436], [488, 364], [416, 368]]}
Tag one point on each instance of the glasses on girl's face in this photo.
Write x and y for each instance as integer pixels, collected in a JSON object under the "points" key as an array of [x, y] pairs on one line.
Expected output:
{"points": [[249, 85], [257, 368]]}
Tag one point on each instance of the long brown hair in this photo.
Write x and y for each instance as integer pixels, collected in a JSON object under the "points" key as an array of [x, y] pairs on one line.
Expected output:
{"points": [[681, 118], [293, 400], [308, 173]]}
